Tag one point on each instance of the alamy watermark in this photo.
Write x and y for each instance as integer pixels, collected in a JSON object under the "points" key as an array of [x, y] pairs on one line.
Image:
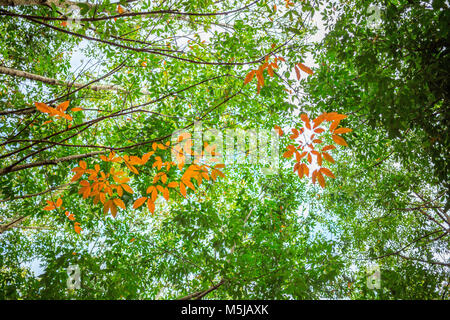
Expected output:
{"points": [[73, 277], [74, 16], [374, 17], [373, 277], [229, 146]]}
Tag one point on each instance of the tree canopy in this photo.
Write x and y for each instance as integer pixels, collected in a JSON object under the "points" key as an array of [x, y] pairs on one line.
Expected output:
{"points": [[102, 165]]}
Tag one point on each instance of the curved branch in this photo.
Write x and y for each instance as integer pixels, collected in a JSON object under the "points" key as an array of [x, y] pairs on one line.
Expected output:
{"points": [[123, 15], [36, 194]]}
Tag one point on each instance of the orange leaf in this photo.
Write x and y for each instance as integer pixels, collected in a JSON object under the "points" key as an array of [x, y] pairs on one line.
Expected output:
{"points": [[139, 202], [334, 125], [339, 140], [305, 169], [154, 194], [113, 208], [77, 176], [49, 207], [59, 202], [63, 106], [278, 130], [297, 72], [183, 189], [260, 77], [120, 9], [327, 172], [288, 154], [321, 179], [270, 70], [305, 119], [119, 203], [166, 194], [342, 130], [305, 68], [151, 206], [314, 177], [77, 227], [173, 184], [146, 157], [327, 157], [42, 107], [76, 109], [330, 147], [150, 189], [332, 116], [83, 164], [300, 171], [127, 188], [319, 120], [319, 130], [319, 157], [249, 77]]}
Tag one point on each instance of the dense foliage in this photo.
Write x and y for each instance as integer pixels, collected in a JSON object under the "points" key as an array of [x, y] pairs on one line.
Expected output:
{"points": [[91, 93]]}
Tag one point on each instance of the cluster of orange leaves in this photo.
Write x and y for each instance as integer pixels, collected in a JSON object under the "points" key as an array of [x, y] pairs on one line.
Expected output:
{"points": [[98, 184], [259, 73], [58, 112], [58, 204], [305, 150], [197, 171]]}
